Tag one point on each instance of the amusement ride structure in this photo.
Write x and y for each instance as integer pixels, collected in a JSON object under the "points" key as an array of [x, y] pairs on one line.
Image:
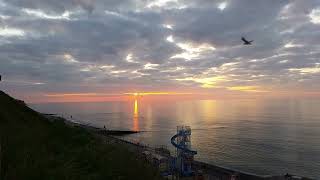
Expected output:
{"points": [[182, 142]]}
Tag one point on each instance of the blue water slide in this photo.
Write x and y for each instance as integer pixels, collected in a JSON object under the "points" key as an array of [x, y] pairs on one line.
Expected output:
{"points": [[182, 147]]}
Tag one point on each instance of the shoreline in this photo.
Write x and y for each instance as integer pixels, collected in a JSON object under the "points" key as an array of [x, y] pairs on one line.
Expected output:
{"points": [[210, 170], [35, 146], [101, 131]]}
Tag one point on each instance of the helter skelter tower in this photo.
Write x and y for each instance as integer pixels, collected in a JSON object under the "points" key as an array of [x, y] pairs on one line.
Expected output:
{"points": [[182, 142]]}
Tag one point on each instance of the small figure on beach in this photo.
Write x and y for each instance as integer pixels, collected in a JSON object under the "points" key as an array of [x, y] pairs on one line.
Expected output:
{"points": [[104, 127]]}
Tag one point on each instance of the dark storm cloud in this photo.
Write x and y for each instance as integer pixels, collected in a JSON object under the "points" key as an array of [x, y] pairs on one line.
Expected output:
{"points": [[224, 27], [75, 44], [59, 6]]}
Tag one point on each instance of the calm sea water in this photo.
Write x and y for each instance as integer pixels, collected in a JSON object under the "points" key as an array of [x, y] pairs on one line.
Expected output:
{"points": [[258, 136]]}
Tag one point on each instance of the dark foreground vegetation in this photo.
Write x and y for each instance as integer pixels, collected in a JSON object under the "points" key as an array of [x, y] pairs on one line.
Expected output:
{"points": [[32, 147]]}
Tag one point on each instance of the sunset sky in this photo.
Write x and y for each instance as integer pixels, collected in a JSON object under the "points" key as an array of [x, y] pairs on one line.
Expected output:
{"points": [[74, 50]]}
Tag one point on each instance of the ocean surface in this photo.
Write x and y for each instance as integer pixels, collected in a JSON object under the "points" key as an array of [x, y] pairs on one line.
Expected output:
{"points": [[265, 137]]}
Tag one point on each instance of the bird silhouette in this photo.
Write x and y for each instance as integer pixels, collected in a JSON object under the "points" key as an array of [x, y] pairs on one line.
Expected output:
{"points": [[246, 42]]}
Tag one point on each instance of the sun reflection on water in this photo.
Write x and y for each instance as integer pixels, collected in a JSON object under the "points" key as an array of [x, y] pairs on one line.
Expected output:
{"points": [[136, 116]]}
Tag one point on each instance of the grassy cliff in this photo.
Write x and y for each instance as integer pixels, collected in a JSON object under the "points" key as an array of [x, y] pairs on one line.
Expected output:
{"points": [[34, 148]]}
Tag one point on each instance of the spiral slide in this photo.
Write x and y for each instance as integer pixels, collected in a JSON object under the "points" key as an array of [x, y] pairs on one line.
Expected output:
{"points": [[182, 146]]}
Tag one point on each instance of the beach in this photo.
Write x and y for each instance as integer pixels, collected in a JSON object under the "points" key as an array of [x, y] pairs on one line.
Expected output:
{"points": [[263, 137], [205, 170]]}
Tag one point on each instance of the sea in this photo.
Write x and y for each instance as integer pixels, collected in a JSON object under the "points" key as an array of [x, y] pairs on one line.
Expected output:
{"points": [[263, 137]]}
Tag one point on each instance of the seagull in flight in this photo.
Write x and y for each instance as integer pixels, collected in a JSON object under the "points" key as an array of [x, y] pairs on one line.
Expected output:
{"points": [[246, 42]]}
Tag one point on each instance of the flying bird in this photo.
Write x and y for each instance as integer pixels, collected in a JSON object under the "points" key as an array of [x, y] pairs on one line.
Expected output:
{"points": [[246, 42]]}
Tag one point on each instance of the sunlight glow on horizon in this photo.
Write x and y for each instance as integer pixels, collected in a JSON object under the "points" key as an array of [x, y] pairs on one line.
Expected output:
{"points": [[155, 93], [66, 95], [81, 94]]}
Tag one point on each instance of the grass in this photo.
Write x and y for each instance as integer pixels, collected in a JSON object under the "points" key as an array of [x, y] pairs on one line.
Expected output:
{"points": [[34, 148]]}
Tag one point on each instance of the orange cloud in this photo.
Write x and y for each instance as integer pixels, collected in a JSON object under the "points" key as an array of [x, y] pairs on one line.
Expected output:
{"points": [[247, 88]]}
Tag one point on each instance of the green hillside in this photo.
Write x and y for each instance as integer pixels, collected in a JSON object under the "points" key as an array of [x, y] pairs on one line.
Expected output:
{"points": [[34, 148]]}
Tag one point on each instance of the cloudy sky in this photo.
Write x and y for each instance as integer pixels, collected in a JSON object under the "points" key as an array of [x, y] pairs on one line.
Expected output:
{"points": [[52, 48]]}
